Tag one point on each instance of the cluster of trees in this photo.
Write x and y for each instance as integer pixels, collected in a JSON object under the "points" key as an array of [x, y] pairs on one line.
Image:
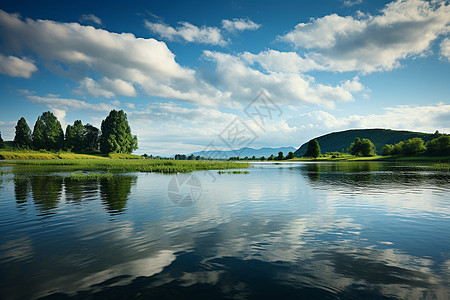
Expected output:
{"points": [[262, 158], [47, 134], [363, 147], [187, 157], [439, 146]]}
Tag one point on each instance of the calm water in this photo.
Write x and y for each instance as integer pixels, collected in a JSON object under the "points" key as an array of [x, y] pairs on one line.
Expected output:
{"points": [[284, 231]]}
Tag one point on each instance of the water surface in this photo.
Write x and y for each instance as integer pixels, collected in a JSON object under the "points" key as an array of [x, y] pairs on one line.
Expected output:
{"points": [[289, 230]]}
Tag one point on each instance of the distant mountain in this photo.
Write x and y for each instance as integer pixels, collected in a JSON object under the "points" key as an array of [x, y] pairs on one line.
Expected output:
{"points": [[243, 152], [337, 141]]}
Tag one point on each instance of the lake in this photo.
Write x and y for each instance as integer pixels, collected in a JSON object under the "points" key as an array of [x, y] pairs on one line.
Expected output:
{"points": [[352, 230]]}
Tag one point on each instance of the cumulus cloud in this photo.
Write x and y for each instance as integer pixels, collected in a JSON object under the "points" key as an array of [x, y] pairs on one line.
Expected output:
{"points": [[282, 84], [73, 50], [188, 32], [73, 104], [239, 25], [426, 118], [404, 28], [445, 48], [91, 18], [16, 67]]}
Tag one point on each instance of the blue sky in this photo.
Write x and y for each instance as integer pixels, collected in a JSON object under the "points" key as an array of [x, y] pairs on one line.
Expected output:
{"points": [[184, 71]]}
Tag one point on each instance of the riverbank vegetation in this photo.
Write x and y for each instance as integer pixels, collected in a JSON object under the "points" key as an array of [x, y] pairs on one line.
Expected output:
{"points": [[124, 165]]}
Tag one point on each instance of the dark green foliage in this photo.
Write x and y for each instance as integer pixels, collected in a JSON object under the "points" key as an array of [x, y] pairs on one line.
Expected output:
{"points": [[1, 141], [23, 138], [75, 137], [48, 133], [91, 138], [412, 146], [313, 149], [362, 147], [290, 155], [340, 140], [271, 157], [116, 134], [388, 150], [439, 146], [280, 156], [38, 135]]}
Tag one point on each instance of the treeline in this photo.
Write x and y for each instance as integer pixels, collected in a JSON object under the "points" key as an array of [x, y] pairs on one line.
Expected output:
{"points": [[439, 146], [114, 137], [263, 158]]}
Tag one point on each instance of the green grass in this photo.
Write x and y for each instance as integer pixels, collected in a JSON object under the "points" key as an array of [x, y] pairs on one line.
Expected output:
{"points": [[124, 156], [31, 154], [126, 165]]}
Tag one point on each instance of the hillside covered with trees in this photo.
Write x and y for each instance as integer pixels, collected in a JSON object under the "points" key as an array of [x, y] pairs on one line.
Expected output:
{"points": [[340, 141]]}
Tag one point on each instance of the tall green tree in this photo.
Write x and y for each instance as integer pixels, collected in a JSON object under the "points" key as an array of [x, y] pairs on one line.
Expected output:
{"points": [[48, 133], [1, 141], [38, 135], [91, 138], [116, 134], [69, 138], [23, 138], [313, 149]]}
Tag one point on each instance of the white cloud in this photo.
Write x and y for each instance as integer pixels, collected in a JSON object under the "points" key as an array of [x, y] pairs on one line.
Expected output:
{"points": [[74, 51], [16, 67], [130, 105], [234, 74], [445, 48], [91, 87], [239, 25], [91, 18], [428, 118], [188, 32], [352, 2], [73, 104], [404, 28]]}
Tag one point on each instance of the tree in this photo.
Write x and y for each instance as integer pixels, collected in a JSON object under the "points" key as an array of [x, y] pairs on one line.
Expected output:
{"points": [[1, 141], [362, 148], [38, 135], [439, 146], [69, 138], [280, 156], [116, 134], [313, 149], [413, 146], [271, 157], [387, 150], [290, 155], [23, 138], [91, 139], [48, 133]]}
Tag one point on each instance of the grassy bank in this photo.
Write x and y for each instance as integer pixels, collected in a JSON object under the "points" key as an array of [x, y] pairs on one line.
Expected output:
{"points": [[348, 157], [124, 165]]}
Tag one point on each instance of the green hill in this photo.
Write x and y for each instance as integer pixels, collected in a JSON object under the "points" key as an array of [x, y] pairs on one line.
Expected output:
{"points": [[336, 141]]}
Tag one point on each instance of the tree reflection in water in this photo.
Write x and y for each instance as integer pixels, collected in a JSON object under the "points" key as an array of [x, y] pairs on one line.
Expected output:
{"points": [[47, 191]]}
